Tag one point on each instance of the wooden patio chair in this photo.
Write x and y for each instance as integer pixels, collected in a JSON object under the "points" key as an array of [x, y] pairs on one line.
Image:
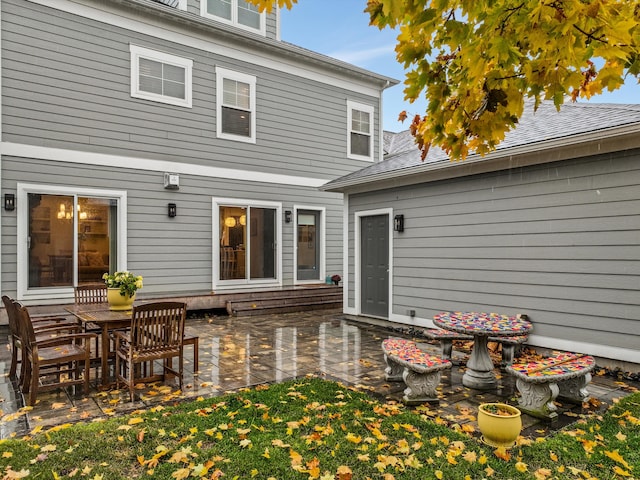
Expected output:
{"points": [[91, 294], [44, 326], [157, 333], [63, 356]]}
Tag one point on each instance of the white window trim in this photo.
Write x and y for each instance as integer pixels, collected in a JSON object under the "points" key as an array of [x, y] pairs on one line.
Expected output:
{"points": [[215, 267], [138, 52], [234, 18], [222, 73], [23, 189], [321, 239], [351, 106]]}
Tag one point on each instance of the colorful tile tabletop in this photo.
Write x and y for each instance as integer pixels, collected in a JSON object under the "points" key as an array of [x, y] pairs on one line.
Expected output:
{"points": [[482, 323]]}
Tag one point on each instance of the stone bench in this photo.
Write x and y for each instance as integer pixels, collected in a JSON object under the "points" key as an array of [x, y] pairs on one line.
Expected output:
{"points": [[564, 375], [419, 370], [446, 338]]}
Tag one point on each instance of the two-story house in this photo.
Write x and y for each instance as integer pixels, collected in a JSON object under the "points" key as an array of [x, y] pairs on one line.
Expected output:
{"points": [[179, 139]]}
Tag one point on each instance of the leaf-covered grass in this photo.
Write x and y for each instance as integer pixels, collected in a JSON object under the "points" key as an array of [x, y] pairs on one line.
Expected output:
{"points": [[310, 429]]}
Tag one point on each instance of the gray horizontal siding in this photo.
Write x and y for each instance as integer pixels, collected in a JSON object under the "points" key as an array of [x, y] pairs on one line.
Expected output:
{"points": [[560, 242], [66, 85], [173, 255]]}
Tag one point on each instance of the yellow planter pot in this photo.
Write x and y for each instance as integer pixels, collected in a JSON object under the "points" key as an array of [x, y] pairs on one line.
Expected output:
{"points": [[117, 301], [499, 430]]}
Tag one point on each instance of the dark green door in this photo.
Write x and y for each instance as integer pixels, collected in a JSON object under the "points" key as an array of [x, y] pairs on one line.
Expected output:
{"points": [[374, 265]]}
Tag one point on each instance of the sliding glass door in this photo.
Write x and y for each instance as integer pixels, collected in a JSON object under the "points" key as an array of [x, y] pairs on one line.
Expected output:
{"points": [[71, 239], [248, 242]]}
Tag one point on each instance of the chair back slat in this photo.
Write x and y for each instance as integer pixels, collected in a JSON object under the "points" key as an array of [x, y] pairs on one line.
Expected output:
{"points": [[157, 326], [90, 293]]}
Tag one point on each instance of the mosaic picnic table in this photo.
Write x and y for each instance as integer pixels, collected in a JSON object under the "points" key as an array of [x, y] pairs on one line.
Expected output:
{"points": [[479, 372]]}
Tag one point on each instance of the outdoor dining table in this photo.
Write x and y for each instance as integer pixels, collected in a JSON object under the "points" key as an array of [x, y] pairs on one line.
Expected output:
{"points": [[479, 373], [108, 320]]}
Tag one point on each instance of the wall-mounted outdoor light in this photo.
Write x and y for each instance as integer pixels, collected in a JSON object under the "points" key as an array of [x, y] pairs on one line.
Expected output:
{"points": [[398, 223], [9, 202], [287, 216], [172, 211]]}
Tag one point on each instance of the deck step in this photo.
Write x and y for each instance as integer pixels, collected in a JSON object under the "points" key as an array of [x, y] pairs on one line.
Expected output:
{"points": [[285, 303]]}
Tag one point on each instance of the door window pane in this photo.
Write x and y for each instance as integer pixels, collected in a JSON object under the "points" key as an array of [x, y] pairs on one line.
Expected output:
{"points": [[50, 240], [247, 242], [308, 252], [262, 243], [71, 239], [96, 237], [233, 234]]}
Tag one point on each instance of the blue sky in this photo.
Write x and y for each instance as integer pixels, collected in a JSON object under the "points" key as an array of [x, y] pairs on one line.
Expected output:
{"points": [[340, 29]]}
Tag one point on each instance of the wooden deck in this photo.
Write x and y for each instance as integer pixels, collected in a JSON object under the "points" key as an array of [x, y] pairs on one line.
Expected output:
{"points": [[243, 302]]}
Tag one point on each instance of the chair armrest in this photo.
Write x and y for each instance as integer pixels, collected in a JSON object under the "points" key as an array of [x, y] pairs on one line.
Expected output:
{"points": [[55, 327], [122, 335], [48, 318], [64, 339]]}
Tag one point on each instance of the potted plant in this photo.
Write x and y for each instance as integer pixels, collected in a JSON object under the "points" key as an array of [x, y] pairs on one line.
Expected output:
{"points": [[499, 423], [121, 289]]}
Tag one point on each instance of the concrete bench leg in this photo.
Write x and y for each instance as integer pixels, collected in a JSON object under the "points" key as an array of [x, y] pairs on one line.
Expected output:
{"points": [[508, 354], [446, 346], [575, 389], [393, 372], [421, 387], [536, 399]]}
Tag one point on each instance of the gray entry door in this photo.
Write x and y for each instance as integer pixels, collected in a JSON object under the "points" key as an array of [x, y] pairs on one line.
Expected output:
{"points": [[374, 265]]}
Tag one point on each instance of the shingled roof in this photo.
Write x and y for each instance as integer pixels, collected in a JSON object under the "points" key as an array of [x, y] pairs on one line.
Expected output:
{"points": [[545, 130]]}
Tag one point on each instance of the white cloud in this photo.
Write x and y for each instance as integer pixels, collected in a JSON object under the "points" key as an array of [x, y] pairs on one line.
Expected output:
{"points": [[360, 57]]}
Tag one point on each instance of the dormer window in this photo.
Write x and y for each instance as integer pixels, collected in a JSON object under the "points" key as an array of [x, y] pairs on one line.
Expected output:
{"points": [[234, 12], [180, 4]]}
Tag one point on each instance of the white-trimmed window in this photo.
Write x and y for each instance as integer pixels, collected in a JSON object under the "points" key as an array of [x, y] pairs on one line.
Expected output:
{"points": [[160, 77], [235, 100], [234, 12], [360, 131], [68, 236]]}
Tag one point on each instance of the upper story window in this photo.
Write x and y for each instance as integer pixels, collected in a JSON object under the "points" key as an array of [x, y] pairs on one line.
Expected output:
{"points": [[360, 131], [235, 12], [160, 77], [236, 100]]}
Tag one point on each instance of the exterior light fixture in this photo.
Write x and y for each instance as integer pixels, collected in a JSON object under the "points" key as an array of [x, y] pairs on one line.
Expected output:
{"points": [[287, 216], [398, 223], [172, 210], [9, 202]]}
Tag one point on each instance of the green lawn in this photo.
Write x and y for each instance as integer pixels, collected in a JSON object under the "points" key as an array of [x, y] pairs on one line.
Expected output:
{"points": [[311, 429]]}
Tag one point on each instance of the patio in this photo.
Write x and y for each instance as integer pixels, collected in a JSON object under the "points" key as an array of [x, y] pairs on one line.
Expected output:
{"points": [[238, 352]]}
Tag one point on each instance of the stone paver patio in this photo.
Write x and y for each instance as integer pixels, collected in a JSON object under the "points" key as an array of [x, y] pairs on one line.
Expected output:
{"points": [[238, 352]]}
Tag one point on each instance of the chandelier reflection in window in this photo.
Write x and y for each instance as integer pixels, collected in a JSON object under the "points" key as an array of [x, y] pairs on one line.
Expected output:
{"points": [[65, 212], [233, 221]]}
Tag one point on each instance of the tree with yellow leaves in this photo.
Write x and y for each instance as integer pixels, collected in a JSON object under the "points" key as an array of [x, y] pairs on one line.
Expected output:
{"points": [[476, 61]]}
